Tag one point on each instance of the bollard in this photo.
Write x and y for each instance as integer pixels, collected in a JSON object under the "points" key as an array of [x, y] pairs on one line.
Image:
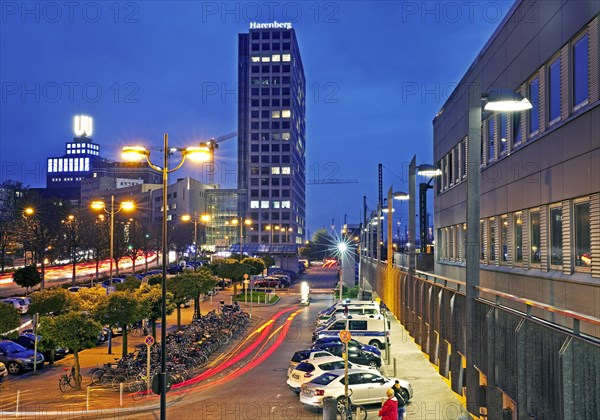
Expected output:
{"points": [[394, 367], [18, 400], [121, 386], [87, 399]]}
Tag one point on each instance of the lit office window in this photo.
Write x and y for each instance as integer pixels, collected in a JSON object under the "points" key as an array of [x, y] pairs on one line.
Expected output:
{"points": [[583, 254], [492, 239], [254, 204], [264, 204], [286, 113], [76, 165], [491, 139], [504, 238], [534, 112], [481, 240], [276, 204], [285, 136], [518, 235], [287, 57], [60, 165], [285, 170], [266, 59], [285, 204], [276, 58], [535, 237], [49, 165], [554, 90], [503, 138], [275, 170], [275, 114], [255, 59], [464, 161], [580, 72], [556, 243]]}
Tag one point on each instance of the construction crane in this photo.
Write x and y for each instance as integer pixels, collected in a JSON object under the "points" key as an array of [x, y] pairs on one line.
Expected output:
{"points": [[213, 144], [332, 181]]}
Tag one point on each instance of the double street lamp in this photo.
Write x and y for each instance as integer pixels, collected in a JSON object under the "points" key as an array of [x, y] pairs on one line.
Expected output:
{"points": [[204, 218], [137, 153], [241, 222], [272, 229], [124, 205]]}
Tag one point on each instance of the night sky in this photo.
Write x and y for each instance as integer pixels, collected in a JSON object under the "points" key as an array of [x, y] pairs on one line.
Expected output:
{"points": [[377, 73]]}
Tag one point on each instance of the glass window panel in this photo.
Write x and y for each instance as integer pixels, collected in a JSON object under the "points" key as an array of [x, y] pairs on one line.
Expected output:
{"points": [[504, 238], [580, 71], [556, 250], [503, 139], [491, 139], [554, 87], [534, 112], [534, 227], [516, 128], [481, 240], [264, 204], [266, 59], [492, 239], [276, 58], [583, 255], [255, 59], [518, 228], [286, 57]]}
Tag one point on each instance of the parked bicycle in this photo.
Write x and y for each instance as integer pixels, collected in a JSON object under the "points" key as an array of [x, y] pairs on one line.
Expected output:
{"points": [[68, 379]]}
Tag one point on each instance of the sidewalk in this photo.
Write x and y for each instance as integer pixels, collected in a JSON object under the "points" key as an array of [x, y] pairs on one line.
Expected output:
{"points": [[433, 398]]}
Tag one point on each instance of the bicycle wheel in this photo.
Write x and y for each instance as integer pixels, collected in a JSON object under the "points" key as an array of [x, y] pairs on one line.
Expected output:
{"points": [[62, 383], [117, 380], [97, 377], [71, 381]]}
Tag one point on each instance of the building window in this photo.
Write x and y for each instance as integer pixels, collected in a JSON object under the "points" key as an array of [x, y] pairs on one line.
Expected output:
{"points": [[534, 112], [276, 58], [275, 204], [275, 114], [516, 128], [491, 139], [503, 139], [554, 91], [556, 243], [493, 239], [285, 136], [535, 235], [264, 204], [286, 113], [275, 170], [450, 168], [285, 204], [286, 57], [482, 240], [580, 72], [285, 170], [583, 255], [266, 59], [255, 59], [504, 238], [518, 235]]}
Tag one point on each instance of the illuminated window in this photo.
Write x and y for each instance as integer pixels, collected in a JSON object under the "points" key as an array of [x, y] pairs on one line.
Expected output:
{"points": [[276, 58], [275, 170], [253, 204], [534, 230], [287, 57], [534, 112], [264, 204], [255, 59], [502, 140], [504, 238], [275, 114], [285, 170], [285, 204], [518, 229], [556, 242], [491, 139], [286, 113], [276, 204], [581, 221], [285, 136], [60, 165], [492, 223], [49, 165], [266, 59]]}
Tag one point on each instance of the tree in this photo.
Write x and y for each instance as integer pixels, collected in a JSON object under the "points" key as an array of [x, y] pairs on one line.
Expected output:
{"points": [[320, 246], [181, 291], [27, 277], [89, 298], [95, 236], [268, 260], [131, 283], [9, 318], [257, 264], [120, 309], [74, 330], [52, 301], [135, 241], [192, 285], [151, 303], [231, 269]]}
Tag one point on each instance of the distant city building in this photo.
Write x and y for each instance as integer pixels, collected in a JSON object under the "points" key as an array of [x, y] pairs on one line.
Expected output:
{"points": [[222, 208], [272, 134]]}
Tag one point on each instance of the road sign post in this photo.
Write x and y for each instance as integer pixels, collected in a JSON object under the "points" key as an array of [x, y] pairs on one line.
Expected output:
{"points": [[149, 340]]}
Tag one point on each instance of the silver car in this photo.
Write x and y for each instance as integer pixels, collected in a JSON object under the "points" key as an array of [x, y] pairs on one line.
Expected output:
{"points": [[364, 388]]}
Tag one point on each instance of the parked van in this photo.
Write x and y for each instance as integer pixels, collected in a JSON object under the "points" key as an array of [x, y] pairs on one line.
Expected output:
{"points": [[367, 330], [349, 303], [358, 311]]}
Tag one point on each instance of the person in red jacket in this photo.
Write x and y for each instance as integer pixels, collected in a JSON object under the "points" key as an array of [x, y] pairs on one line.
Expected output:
{"points": [[389, 410]]}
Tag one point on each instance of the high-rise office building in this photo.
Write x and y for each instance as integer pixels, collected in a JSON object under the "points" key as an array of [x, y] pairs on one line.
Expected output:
{"points": [[271, 134]]}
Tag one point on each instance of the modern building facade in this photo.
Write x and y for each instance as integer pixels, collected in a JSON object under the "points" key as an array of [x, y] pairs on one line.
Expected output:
{"points": [[272, 134]]}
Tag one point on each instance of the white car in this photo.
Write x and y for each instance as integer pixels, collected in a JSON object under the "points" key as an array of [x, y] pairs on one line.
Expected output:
{"points": [[306, 355], [18, 303], [310, 369], [364, 388]]}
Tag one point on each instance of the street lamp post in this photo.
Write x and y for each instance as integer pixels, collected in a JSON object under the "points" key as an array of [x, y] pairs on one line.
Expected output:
{"points": [[100, 205], [137, 153], [195, 220], [241, 222], [72, 245]]}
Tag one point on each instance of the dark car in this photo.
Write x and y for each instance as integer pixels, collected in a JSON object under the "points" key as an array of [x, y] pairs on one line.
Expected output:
{"points": [[355, 355], [17, 358], [266, 284], [151, 273], [27, 340], [174, 269], [351, 344]]}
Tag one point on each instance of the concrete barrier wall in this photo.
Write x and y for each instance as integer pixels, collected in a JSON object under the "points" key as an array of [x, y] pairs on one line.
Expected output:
{"points": [[524, 364]]}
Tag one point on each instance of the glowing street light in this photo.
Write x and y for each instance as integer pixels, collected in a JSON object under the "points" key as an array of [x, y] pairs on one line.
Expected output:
{"points": [[204, 218]]}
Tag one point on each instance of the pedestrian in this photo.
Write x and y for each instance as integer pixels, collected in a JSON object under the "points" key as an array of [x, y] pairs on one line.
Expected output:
{"points": [[389, 409], [401, 401]]}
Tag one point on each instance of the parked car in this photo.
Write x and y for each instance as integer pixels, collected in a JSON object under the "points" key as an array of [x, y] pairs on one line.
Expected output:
{"points": [[27, 340], [308, 354], [17, 358], [75, 289], [3, 371], [267, 283], [151, 273], [17, 303], [310, 369], [365, 387], [352, 344], [355, 355], [115, 280]]}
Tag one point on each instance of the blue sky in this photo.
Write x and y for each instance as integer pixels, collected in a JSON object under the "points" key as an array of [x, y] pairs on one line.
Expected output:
{"points": [[377, 73]]}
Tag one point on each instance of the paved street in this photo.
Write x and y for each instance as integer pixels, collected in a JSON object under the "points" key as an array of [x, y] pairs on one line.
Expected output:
{"points": [[253, 388]]}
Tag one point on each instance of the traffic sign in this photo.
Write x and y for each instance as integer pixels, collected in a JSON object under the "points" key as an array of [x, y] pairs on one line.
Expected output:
{"points": [[246, 276], [345, 336], [149, 340]]}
